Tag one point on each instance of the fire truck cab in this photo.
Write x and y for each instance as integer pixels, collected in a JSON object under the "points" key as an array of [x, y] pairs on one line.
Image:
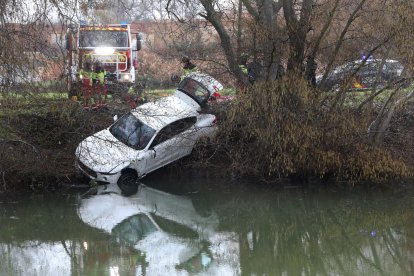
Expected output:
{"points": [[111, 46]]}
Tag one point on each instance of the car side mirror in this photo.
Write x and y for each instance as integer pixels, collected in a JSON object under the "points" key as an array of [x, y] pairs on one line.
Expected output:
{"points": [[155, 152]]}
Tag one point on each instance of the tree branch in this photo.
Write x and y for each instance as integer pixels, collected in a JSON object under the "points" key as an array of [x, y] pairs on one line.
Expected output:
{"points": [[214, 18], [341, 39], [251, 10]]}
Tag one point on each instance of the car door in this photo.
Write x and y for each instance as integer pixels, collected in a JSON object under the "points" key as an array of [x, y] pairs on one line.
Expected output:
{"points": [[171, 143], [186, 136]]}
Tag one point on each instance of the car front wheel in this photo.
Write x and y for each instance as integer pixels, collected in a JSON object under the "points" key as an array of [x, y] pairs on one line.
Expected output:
{"points": [[128, 183]]}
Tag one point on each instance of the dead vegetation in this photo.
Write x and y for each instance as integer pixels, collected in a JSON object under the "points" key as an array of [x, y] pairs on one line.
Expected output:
{"points": [[279, 130], [272, 131], [38, 139]]}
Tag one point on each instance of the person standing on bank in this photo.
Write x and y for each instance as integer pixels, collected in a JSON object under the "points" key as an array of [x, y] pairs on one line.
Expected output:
{"points": [[310, 71], [188, 67], [86, 75], [98, 78]]}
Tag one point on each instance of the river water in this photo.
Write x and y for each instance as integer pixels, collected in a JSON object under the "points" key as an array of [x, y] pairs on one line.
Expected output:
{"points": [[167, 228]]}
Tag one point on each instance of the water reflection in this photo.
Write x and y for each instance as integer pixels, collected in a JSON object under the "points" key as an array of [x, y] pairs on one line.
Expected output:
{"points": [[165, 232], [241, 231], [305, 233], [43, 236], [150, 233]]}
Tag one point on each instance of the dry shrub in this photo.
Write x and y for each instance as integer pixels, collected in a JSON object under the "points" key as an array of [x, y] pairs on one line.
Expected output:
{"points": [[38, 149], [24, 167], [279, 129]]}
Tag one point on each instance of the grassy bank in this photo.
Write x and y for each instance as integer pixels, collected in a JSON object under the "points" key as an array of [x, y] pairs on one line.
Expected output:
{"points": [[38, 136]]}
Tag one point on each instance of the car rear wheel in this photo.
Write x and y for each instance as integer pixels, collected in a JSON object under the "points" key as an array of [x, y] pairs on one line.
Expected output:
{"points": [[128, 183]]}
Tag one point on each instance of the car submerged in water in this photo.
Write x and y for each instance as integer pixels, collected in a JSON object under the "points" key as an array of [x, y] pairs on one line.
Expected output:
{"points": [[151, 135]]}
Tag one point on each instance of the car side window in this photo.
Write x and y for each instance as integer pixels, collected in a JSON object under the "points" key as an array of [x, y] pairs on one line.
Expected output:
{"points": [[183, 124], [173, 129], [162, 136]]}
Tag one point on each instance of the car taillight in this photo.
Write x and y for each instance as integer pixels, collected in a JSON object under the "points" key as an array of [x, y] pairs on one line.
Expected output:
{"points": [[214, 122]]}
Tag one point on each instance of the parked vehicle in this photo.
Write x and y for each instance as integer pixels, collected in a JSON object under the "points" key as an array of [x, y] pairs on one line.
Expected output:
{"points": [[150, 136], [365, 75], [111, 49]]}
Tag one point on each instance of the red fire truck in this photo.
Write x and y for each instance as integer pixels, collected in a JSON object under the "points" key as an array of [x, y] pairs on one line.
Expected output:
{"points": [[113, 47]]}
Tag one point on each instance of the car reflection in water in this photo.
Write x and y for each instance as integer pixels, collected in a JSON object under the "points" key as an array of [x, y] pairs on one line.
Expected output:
{"points": [[170, 236]]}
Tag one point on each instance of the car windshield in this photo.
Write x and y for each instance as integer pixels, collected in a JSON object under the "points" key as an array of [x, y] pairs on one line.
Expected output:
{"points": [[394, 67], [132, 132], [134, 229], [103, 38]]}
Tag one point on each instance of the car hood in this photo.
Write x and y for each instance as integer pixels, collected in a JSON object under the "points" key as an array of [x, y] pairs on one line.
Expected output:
{"points": [[102, 152], [106, 211]]}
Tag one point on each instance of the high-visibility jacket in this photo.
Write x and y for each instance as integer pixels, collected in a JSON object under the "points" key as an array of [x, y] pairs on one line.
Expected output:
{"points": [[86, 74], [100, 76], [188, 69], [243, 68]]}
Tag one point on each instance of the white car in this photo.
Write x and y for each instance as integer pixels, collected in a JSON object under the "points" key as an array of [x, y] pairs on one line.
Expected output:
{"points": [[150, 136]]}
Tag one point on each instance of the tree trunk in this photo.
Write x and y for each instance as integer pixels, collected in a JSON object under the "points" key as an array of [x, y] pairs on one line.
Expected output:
{"points": [[214, 18], [341, 40], [271, 43], [297, 32], [315, 48]]}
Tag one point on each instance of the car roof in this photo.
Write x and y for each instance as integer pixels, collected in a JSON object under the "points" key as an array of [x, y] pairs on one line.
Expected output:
{"points": [[164, 111], [375, 60]]}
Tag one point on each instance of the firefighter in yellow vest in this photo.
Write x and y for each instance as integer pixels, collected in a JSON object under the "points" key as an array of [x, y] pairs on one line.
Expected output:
{"points": [[98, 80], [245, 71], [85, 75], [188, 67]]}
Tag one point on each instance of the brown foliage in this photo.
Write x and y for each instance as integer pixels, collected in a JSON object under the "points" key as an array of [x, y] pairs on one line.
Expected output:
{"points": [[37, 146], [278, 130]]}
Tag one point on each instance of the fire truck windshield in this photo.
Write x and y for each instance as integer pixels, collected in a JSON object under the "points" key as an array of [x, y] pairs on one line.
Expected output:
{"points": [[103, 38]]}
